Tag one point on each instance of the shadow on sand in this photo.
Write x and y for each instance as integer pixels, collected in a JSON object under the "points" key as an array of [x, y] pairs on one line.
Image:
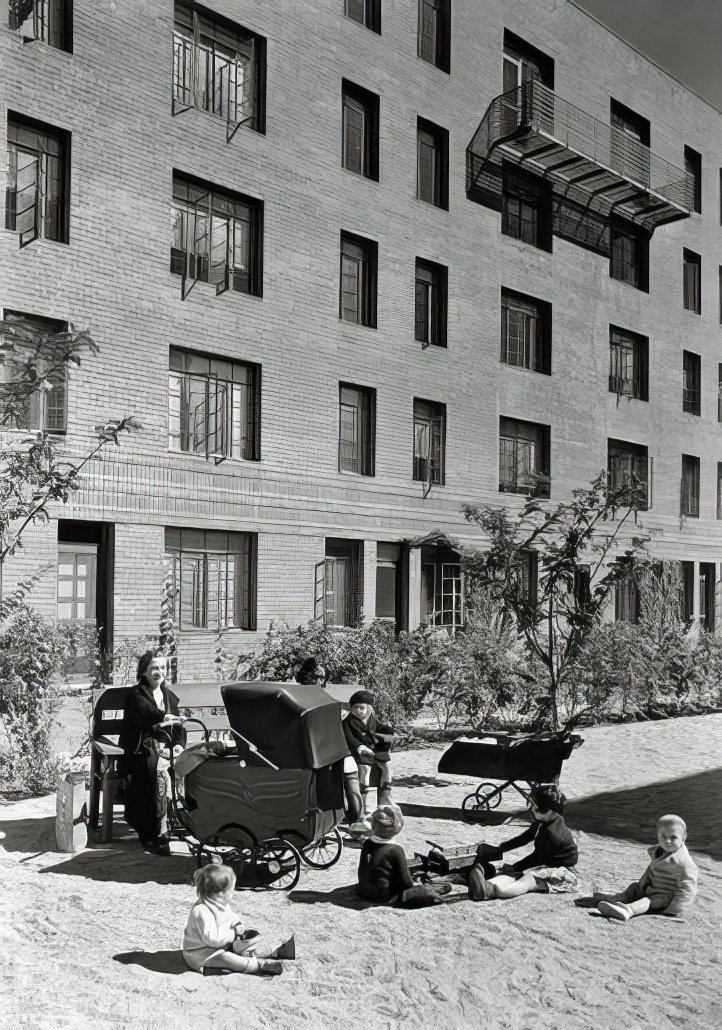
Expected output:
{"points": [[632, 814], [494, 818], [125, 863], [170, 962]]}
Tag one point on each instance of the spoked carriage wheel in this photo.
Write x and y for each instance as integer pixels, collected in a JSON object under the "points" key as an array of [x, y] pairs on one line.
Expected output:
{"points": [[278, 864], [488, 795], [219, 850], [324, 853], [471, 808]]}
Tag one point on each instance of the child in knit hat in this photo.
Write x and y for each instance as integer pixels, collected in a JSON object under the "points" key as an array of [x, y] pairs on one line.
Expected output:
{"points": [[369, 742]]}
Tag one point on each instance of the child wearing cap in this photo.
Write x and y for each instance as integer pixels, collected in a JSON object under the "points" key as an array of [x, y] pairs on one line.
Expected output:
{"points": [[383, 872], [369, 742], [668, 884]]}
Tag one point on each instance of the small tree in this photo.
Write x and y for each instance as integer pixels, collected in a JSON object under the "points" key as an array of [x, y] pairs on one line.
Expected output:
{"points": [[577, 570]]}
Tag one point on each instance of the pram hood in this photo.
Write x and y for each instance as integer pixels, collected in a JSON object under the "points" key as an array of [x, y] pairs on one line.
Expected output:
{"points": [[296, 727]]}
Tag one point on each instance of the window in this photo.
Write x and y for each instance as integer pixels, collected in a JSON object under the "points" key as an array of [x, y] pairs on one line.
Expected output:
{"points": [[525, 332], [216, 237], [628, 364], [33, 338], [214, 578], [365, 12], [214, 406], [339, 584], [529, 576], [429, 442], [690, 486], [77, 571], [706, 595], [627, 470], [218, 67], [441, 588], [432, 166], [629, 257], [693, 167], [431, 299], [523, 458], [388, 557], [627, 607], [435, 32], [524, 63], [46, 20], [719, 393], [691, 379], [526, 209], [359, 259], [356, 429], [692, 281], [720, 294], [36, 201], [719, 489], [360, 110], [629, 143]]}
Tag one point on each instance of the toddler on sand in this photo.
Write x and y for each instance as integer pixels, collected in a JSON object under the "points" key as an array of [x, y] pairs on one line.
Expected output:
{"points": [[213, 941], [668, 884]]}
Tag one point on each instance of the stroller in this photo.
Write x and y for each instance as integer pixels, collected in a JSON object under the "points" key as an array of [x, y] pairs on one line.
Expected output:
{"points": [[271, 799]]}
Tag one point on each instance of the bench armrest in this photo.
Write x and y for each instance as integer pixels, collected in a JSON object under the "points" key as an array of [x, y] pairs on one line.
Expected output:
{"points": [[105, 748]]}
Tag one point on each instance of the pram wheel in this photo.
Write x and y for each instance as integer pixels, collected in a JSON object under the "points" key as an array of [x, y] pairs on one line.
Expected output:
{"points": [[277, 864], [324, 853], [488, 795]]}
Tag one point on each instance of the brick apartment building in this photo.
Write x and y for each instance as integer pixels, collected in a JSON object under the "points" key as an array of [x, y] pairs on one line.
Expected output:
{"points": [[352, 264]]}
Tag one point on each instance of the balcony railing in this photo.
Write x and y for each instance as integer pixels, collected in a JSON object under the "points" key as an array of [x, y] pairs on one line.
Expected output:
{"points": [[583, 157]]}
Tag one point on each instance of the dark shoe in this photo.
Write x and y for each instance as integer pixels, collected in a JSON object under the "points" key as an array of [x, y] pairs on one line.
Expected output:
{"points": [[479, 889], [159, 847], [269, 967], [286, 950]]}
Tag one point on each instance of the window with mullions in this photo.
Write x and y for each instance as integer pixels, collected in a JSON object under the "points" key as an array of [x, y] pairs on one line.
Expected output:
{"points": [[693, 166], [356, 416], [365, 12], [360, 112], [338, 589], [628, 364], [214, 578], [441, 593], [691, 383], [358, 280], [431, 299], [432, 163], [629, 142], [689, 501], [524, 458], [627, 606], [36, 198], [216, 237], [434, 43], [627, 471], [214, 406], [218, 67], [429, 442], [77, 575], [629, 256], [692, 272], [34, 341], [526, 209], [525, 332], [46, 20]]}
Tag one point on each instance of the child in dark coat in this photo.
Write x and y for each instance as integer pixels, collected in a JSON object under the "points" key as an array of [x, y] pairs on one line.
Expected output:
{"points": [[369, 742], [383, 872]]}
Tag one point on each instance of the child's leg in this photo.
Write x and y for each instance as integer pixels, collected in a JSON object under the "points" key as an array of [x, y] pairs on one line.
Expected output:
{"points": [[511, 887], [243, 964], [383, 791], [623, 910], [352, 789], [423, 895], [364, 775]]}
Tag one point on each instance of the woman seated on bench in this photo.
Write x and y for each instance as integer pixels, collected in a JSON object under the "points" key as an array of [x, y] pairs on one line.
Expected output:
{"points": [[146, 769]]}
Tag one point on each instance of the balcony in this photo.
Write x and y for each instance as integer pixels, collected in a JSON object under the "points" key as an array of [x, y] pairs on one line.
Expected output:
{"points": [[587, 162]]}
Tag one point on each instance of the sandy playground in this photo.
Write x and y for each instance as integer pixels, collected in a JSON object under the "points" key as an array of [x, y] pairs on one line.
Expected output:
{"points": [[91, 939]]}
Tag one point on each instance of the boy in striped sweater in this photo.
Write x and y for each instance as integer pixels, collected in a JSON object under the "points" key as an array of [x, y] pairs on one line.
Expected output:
{"points": [[667, 886]]}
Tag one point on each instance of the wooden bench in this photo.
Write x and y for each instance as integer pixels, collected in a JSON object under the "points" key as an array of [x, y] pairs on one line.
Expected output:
{"points": [[195, 700]]}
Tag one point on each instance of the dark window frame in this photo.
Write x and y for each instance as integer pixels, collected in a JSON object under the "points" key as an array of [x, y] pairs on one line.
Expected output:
{"points": [[362, 253], [434, 33], [530, 481], [689, 486], [719, 489], [49, 162], [532, 64], [536, 354], [47, 21], [627, 461], [693, 165], [364, 12], [50, 418], [526, 208], [628, 348], [432, 163], [360, 101], [204, 558], [629, 255], [691, 383], [429, 442], [431, 290], [630, 132], [361, 459], [692, 281], [343, 567]]}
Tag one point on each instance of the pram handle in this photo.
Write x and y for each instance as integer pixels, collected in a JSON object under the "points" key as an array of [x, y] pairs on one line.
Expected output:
{"points": [[254, 750]]}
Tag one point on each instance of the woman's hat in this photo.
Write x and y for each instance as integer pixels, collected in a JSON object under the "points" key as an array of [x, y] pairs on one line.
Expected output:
{"points": [[361, 697]]}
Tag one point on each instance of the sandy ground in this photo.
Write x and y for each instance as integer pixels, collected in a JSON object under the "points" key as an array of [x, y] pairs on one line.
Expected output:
{"points": [[91, 939]]}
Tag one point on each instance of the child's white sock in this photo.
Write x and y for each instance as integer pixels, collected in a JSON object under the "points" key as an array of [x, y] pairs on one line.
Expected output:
{"points": [[615, 910]]}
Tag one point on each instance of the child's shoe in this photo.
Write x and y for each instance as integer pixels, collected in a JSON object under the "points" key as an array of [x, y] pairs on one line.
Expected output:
{"points": [[286, 950], [479, 888], [269, 967], [615, 910]]}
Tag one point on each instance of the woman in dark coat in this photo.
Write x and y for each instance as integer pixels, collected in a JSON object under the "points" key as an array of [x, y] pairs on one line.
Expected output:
{"points": [[149, 703]]}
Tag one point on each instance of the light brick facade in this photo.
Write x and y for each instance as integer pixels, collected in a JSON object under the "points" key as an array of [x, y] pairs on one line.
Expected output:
{"points": [[113, 94]]}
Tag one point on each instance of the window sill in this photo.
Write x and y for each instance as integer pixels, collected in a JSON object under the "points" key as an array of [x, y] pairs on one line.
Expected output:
{"points": [[427, 344], [523, 368], [175, 282], [216, 117], [357, 475], [360, 175], [361, 325], [630, 286], [206, 458], [430, 203]]}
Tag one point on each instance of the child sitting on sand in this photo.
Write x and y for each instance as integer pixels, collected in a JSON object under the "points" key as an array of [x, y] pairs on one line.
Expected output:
{"points": [[213, 942], [668, 884], [548, 868], [383, 872]]}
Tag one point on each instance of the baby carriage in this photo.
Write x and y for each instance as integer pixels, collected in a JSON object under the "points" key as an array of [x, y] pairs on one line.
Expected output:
{"points": [[509, 757], [271, 798]]}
